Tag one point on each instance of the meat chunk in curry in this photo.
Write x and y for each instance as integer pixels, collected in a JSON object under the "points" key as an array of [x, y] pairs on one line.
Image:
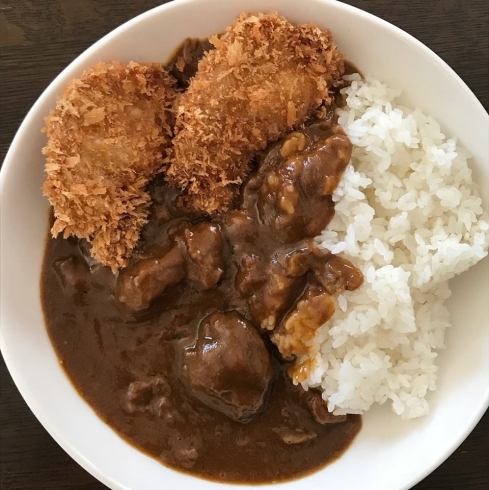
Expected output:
{"points": [[228, 366], [194, 252]]}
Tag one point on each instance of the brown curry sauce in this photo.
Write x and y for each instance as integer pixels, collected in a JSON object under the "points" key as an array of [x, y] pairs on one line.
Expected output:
{"points": [[124, 356]]}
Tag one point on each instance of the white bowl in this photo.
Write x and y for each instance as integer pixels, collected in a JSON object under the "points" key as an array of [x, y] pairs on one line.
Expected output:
{"points": [[388, 454]]}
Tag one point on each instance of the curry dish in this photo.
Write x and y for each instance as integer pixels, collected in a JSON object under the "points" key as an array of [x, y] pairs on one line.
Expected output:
{"points": [[192, 352]]}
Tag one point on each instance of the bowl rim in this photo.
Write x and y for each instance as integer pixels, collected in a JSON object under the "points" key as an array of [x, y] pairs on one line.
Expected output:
{"points": [[8, 164]]}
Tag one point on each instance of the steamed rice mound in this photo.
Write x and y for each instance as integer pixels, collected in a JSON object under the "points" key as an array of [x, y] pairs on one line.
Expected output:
{"points": [[409, 216]]}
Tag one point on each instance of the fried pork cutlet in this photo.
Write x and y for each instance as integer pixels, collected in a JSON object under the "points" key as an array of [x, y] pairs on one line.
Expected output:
{"points": [[107, 137], [265, 77]]}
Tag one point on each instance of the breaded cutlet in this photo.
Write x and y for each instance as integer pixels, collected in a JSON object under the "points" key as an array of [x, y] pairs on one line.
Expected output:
{"points": [[107, 138], [264, 77]]}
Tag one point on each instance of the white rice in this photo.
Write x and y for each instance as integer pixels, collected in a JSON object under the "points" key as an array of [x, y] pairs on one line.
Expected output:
{"points": [[409, 216]]}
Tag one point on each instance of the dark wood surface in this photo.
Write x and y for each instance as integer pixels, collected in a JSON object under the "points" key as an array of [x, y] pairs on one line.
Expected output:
{"points": [[38, 38]]}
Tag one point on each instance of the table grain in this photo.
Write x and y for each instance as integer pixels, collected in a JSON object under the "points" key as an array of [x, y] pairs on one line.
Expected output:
{"points": [[38, 38]]}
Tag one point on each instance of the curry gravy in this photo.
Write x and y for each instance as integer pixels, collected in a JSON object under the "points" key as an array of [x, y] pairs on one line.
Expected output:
{"points": [[125, 340]]}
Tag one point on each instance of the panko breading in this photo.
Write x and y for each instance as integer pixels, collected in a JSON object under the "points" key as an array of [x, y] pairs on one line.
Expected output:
{"points": [[107, 137], [265, 77]]}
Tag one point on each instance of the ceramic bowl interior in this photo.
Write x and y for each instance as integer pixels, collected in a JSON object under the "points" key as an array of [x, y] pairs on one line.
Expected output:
{"points": [[388, 454]]}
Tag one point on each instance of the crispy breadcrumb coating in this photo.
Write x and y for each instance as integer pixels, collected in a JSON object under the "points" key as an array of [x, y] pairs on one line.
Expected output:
{"points": [[265, 77], [107, 137]]}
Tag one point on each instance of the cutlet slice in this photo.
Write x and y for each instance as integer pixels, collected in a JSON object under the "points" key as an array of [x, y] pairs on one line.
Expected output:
{"points": [[265, 77], [107, 137]]}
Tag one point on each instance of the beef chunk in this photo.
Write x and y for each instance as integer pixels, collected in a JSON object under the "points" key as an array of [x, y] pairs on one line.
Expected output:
{"points": [[240, 228], [272, 287], [295, 198], [228, 367], [319, 407], [148, 396], [185, 447], [298, 328], [204, 246], [251, 275], [194, 252], [324, 165], [337, 274], [139, 284], [267, 302]]}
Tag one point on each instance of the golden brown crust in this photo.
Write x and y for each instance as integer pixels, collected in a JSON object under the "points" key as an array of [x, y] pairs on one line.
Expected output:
{"points": [[107, 137], [265, 77]]}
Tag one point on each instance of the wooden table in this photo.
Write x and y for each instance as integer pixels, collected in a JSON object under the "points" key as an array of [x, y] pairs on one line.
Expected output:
{"points": [[38, 38]]}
